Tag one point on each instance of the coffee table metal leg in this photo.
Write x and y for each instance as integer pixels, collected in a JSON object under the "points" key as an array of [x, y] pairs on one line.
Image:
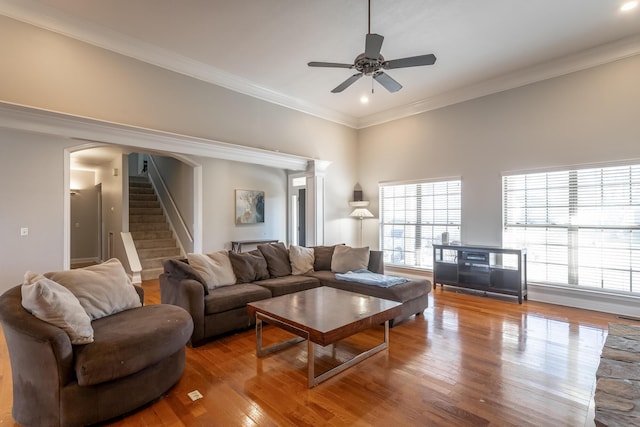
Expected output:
{"points": [[263, 351], [311, 359], [314, 381]]}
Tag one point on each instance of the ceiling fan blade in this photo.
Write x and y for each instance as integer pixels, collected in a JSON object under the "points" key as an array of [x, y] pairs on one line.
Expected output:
{"points": [[372, 46], [386, 81], [329, 65], [345, 84], [412, 61]]}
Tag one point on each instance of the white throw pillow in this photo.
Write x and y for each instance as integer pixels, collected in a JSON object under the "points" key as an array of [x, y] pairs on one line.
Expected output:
{"points": [[215, 268], [102, 289], [301, 259], [346, 258], [55, 304]]}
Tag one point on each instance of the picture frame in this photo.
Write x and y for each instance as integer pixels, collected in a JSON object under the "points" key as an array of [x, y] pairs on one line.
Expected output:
{"points": [[249, 206]]}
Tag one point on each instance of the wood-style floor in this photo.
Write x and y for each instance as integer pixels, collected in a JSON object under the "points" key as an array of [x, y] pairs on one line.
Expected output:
{"points": [[468, 361]]}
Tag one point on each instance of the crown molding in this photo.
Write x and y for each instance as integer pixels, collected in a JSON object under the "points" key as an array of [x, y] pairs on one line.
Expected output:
{"points": [[51, 19], [13, 116], [42, 16], [600, 55]]}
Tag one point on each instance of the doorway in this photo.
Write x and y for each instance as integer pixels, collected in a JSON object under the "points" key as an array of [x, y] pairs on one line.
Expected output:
{"points": [[297, 209]]}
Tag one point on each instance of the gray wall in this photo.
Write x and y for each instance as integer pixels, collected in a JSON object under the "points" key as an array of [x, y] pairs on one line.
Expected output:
{"points": [[178, 178], [31, 190], [585, 117], [220, 180], [85, 217]]}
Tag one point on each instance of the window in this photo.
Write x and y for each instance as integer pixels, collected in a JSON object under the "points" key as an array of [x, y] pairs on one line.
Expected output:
{"points": [[413, 216], [581, 227]]}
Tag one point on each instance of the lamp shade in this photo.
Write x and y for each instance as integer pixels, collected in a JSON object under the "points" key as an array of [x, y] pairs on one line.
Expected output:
{"points": [[361, 213]]}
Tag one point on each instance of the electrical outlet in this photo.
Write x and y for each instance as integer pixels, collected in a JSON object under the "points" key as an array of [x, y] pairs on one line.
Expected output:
{"points": [[24, 231], [195, 395]]}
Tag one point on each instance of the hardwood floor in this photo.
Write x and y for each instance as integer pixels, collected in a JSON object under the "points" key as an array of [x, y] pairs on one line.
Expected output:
{"points": [[468, 361]]}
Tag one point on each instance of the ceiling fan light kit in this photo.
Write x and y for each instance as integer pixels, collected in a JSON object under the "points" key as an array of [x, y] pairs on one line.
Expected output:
{"points": [[371, 63]]}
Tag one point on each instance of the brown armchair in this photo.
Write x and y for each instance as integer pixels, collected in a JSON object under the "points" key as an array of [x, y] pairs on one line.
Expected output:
{"points": [[137, 355]]}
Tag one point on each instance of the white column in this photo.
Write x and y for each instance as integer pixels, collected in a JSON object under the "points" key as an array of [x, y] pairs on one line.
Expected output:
{"points": [[315, 202]]}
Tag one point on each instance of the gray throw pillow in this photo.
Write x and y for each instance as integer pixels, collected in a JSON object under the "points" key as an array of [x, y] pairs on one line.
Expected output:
{"points": [[178, 271], [249, 266], [322, 257], [277, 258]]}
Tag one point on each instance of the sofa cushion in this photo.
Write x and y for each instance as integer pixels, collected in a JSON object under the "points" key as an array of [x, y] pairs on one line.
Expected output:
{"points": [[178, 271], [301, 259], [346, 258], [129, 341], [214, 268], [230, 297], [249, 266], [55, 304], [401, 293], [322, 257], [102, 289], [289, 284], [277, 258]]}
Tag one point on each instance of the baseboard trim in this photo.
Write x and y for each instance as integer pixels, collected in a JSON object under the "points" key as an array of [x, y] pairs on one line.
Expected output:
{"points": [[588, 299]]}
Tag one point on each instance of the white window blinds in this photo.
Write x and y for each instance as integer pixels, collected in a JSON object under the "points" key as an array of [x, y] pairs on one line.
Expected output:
{"points": [[413, 216], [581, 227]]}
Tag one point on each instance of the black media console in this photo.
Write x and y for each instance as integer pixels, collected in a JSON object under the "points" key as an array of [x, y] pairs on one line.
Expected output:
{"points": [[485, 268]]}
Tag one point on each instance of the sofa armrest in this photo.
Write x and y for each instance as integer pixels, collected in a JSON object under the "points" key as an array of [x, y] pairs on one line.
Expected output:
{"points": [[376, 262], [188, 294]]}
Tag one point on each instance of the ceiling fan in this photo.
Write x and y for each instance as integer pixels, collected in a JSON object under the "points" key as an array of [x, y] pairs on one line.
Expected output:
{"points": [[371, 63]]}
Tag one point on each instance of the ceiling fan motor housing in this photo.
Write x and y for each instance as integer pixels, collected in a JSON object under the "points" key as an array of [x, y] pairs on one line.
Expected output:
{"points": [[368, 66]]}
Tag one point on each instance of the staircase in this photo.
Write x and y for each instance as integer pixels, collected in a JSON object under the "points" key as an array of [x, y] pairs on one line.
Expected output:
{"points": [[149, 228]]}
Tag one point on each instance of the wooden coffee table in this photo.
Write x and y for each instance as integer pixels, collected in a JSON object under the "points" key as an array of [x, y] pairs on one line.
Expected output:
{"points": [[323, 316]]}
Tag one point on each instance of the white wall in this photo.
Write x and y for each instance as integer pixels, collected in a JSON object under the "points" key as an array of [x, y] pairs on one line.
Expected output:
{"points": [[584, 117], [31, 194]]}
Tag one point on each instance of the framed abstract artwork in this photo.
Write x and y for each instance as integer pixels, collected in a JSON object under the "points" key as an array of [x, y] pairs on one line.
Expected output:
{"points": [[249, 206]]}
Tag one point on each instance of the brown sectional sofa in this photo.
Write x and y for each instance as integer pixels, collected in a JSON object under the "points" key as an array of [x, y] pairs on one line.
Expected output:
{"points": [[223, 309]]}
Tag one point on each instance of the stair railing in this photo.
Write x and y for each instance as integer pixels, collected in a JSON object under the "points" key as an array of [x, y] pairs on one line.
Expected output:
{"points": [[132, 256], [174, 218]]}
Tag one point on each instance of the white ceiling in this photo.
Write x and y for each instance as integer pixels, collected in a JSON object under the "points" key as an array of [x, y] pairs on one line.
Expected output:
{"points": [[261, 48]]}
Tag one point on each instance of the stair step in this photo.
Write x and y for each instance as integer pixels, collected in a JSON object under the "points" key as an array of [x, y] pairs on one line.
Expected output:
{"points": [[151, 273], [150, 235], [138, 178], [144, 254], [146, 218], [141, 190], [145, 211], [155, 243], [142, 197], [155, 262], [139, 204], [148, 226]]}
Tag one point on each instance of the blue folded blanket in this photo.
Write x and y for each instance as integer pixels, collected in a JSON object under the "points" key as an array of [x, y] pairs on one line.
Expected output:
{"points": [[368, 278]]}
